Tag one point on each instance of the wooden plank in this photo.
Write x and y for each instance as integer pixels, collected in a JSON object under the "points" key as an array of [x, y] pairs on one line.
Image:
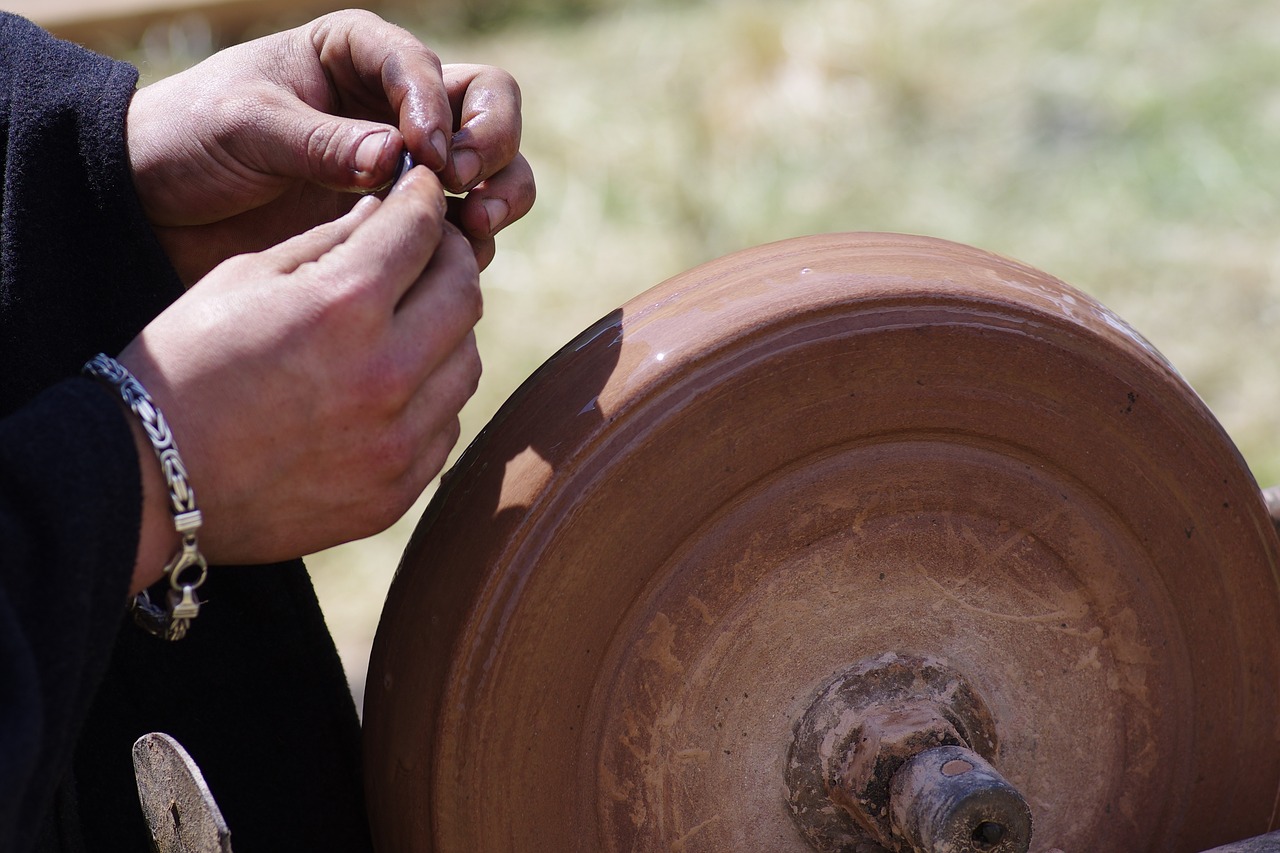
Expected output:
{"points": [[99, 23], [62, 12], [181, 813]]}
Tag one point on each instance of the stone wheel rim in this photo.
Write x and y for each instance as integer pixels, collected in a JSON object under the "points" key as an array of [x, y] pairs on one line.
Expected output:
{"points": [[794, 458]]}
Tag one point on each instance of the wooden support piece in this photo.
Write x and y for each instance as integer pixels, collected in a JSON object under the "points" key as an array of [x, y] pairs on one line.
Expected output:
{"points": [[180, 810]]}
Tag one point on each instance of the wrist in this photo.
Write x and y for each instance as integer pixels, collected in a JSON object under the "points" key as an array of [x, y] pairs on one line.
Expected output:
{"points": [[186, 570], [157, 538], [138, 133]]}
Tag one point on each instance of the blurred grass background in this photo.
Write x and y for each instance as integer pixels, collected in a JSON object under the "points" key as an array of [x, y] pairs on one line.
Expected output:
{"points": [[1130, 147]]}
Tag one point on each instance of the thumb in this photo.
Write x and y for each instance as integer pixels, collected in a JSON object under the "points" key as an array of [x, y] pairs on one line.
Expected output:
{"points": [[336, 152]]}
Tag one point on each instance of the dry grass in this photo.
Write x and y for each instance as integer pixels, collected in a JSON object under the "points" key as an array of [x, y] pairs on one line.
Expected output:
{"points": [[1130, 147]]}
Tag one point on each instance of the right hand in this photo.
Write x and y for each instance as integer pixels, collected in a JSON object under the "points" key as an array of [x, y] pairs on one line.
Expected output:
{"points": [[313, 389]]}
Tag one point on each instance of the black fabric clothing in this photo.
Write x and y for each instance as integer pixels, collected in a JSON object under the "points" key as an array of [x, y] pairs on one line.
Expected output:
{"points": [[256, 691]]}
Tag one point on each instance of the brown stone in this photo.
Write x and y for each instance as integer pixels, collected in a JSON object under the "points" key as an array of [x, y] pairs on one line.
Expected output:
{"points": [[630, 588]]}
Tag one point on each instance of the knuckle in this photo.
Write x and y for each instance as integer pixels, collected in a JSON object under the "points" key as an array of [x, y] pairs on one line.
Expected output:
{"points": [[388, 455], [459, 274], [472, 298], [429, 55], [530, 184], [473, 367], [360, 16], [323, 144], [513, 85], [485, 250], [347, 19], [344, 305], [436, 451], [386, 385], [399, 446], [238, 118], [460, 254], [401, 501], [380, 512], [424, 194], [410, 460], [452, 433], [239, 267], [459, 379]]}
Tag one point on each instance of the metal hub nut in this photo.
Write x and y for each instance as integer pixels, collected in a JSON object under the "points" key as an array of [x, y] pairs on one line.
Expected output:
{"points": [[890, 736], [951, 799], [893, 754]]}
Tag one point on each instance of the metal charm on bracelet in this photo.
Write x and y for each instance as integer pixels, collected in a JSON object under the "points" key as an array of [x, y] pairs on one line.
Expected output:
{"points": [[188, 569]]}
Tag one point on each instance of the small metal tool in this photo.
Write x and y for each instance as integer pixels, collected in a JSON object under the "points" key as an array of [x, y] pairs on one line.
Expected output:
{"points": [[406, 163]]}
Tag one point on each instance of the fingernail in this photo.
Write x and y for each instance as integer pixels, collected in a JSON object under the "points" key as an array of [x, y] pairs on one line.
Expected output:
{"points": [[441, 145], [497, 211], [466, 166], [370, 152]]}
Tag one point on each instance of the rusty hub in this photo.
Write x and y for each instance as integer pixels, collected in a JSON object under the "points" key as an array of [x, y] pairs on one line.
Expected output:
{"points": [[860, 731], [949, 799]]}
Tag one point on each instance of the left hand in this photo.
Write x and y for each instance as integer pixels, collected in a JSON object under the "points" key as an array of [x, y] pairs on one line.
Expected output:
{"points": [[265, 140]]}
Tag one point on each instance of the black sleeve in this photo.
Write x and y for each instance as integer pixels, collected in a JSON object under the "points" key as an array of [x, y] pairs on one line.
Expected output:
{"points": [[80, 272], [256, 691], [69, 515]]}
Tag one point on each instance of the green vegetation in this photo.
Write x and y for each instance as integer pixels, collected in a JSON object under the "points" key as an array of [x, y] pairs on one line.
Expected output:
{"points": [[1130, 147]]}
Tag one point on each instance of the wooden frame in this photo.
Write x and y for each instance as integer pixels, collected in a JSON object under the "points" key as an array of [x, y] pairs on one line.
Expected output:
{"points": [[102, 24]]}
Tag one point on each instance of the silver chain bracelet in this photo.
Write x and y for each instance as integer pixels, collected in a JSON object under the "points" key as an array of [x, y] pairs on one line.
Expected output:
{"points": [[188, 569]]}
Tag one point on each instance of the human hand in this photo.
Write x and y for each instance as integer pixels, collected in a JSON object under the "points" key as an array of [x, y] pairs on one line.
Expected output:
{"points": [[267, 139], [313, 389]]}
